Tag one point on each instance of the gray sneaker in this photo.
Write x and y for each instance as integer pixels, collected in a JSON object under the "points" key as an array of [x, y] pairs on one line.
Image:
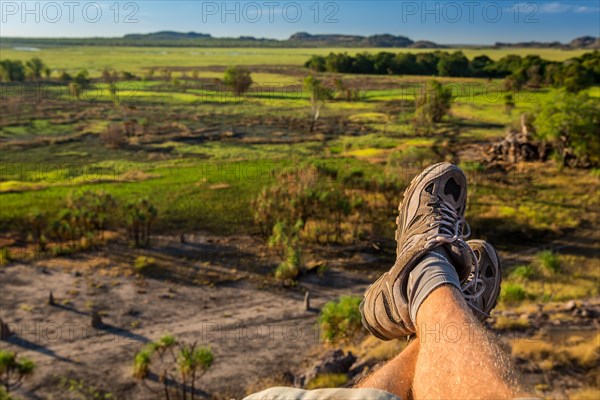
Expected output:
{"points": [[431, 215], [482, 289]]}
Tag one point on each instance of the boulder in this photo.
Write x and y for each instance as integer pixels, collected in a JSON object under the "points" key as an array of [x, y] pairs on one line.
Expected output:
{"points": [[570, 306]]}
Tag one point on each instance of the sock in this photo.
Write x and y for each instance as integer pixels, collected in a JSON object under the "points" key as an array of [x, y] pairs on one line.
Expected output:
{"points": [[432, 271]]}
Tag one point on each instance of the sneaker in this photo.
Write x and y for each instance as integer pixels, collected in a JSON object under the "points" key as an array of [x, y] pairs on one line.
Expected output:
{"points": [[482, 289], [431, 215]]}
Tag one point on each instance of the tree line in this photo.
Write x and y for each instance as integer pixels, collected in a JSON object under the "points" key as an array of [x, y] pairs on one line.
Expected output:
{"points": [[575, 74]]}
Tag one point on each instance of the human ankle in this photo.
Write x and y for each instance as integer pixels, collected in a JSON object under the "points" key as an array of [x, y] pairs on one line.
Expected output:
{"points": [[431, 272]]}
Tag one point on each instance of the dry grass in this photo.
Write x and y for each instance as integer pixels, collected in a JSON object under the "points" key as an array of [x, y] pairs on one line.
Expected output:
{"points": [[373, 349], [588, 393], [327, 381], [507, 323], [584, 354]]}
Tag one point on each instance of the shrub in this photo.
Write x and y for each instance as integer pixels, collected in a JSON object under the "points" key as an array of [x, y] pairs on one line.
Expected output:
{"points": [[35, 67], [327, 381], [340, 319], [570, 123], [431, 105], [287, 237], [12, 71], [139, 216], [81, 390], [512, 292], [143, 263], [523, 272], [549, 261], [238, 78], [114, 136]]}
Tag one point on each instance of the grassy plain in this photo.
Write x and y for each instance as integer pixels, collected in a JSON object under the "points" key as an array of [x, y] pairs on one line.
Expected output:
{"points": [[134, 59], [202, 155]]}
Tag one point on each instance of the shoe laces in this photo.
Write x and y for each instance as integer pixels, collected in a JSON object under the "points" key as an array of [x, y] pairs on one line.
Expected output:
{"points": [[475, 286], [451, 228]]}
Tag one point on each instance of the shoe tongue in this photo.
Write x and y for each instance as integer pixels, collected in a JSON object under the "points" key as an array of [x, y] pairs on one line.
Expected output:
{"points": [[460, 258]]}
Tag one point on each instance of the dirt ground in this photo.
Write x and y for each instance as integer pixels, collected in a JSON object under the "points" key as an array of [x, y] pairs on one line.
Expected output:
{"points": [[254, 330]]}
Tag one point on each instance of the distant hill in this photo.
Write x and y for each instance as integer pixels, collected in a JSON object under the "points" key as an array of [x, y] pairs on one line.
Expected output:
{"points": [[300, 39], [193, 39], [583, 42], [333, 40], [167, 35]]}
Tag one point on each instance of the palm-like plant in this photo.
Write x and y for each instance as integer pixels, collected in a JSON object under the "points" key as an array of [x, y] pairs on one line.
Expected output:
{"points": [[35, 67], [14, 370], [193, 363], [170, 359]]}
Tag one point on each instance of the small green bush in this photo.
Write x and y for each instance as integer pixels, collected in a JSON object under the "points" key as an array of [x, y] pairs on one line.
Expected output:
{"points": [[14, 370], [523, 272], [549, 261], [287, 237], [513, 292], [143, 263], [340, 319], [286, 271]]}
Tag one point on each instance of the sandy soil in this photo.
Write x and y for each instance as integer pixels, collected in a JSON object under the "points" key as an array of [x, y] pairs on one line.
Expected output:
{"points": [[253, 329]]}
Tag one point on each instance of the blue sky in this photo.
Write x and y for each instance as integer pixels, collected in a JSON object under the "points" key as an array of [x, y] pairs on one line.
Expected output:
{"points": [[451, 22]]}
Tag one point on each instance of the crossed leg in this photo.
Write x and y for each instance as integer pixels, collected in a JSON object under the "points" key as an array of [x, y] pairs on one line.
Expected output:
{"points": [[453, 357], [397, 375]]}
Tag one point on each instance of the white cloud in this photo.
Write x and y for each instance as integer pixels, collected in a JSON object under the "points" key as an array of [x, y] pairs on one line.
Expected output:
{"points": [[555, 7]]}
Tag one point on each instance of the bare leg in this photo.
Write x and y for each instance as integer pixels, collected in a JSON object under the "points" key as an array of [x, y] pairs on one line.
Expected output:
{"points": [[457, 358], [397, 375]]}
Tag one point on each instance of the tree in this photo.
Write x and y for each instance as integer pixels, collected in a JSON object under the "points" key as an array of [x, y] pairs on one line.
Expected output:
{"points": [[431, 105], [35, 67], [318, 95], [570, 123], [534, 76], [455, 64], [108, 76], [140, 216], [339, 62], [509, 103], [82, 79], [239, 79], [406, 63], [428, 62], [480, 64], [80, 82], [12, 71], [316, 63], [384, 63], [13, 370], [513, 83], [65, 77], [576, 78]]}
